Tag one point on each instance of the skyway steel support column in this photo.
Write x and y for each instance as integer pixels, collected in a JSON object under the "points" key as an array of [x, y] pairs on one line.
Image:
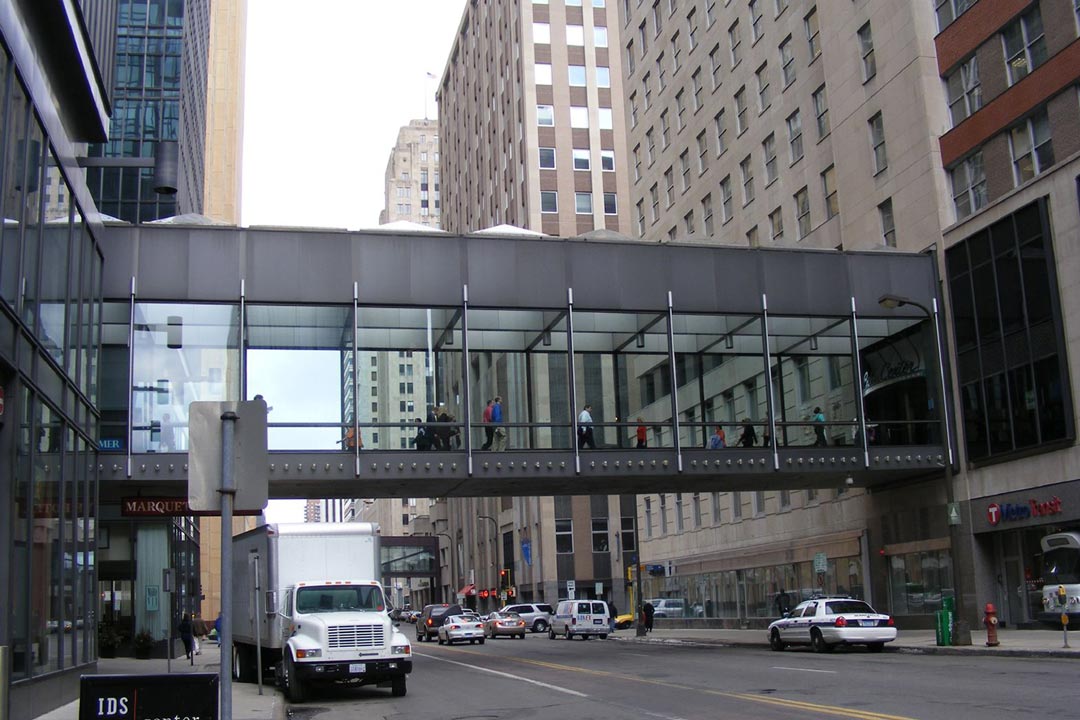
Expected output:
{"points": [[131, 373], [572, 377], [674, 384], [242, 359], [355, 377], [770, 405], [860, 406], [465, 394]]}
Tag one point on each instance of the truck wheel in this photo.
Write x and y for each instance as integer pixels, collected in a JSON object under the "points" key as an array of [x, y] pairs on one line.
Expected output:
{"points": [[551, 633], [569, 635], [397, 688], [540, 626], [243, 663], [603, 636], [481, 641], [294, 688]]}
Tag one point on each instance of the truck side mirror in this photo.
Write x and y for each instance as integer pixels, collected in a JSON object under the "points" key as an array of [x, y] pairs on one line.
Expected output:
{"points": [[271, 608]]}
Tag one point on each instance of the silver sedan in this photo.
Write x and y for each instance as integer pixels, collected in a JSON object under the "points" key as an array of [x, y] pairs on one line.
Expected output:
{"points": [[505, 623], [461, 628]]}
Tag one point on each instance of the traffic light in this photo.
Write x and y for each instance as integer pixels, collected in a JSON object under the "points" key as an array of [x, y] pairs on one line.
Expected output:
{"points": [[483, 594], [505, 578], [511, 592]]}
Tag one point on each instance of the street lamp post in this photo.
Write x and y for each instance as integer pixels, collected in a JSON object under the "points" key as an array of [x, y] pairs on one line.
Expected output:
{"points": [[453, 575], [962, 630], [495, 523]]}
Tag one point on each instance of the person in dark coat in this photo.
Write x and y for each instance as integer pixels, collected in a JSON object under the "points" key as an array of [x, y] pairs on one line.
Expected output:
{"points": [[186, 635], [649, 612], [217, 629]]}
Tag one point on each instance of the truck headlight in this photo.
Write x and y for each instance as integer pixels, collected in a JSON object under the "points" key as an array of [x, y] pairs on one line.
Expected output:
{"points": [[401, 649], [308, 654]]}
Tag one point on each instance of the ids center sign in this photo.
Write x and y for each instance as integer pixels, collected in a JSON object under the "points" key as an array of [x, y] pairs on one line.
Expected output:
{"points": [[180, 696]]}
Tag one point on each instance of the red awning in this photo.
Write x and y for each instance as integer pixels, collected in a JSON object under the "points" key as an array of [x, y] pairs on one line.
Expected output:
{"points": [[469, 589]]}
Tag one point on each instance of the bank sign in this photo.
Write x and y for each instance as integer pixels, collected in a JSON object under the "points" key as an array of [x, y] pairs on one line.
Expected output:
{"points": [[1011, 512]]}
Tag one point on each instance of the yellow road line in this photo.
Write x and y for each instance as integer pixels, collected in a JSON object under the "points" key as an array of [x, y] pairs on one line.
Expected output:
{"points": [[835, 710]]}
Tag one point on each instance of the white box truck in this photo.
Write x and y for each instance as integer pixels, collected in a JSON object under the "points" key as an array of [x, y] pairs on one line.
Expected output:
{"points": [[319, 613]]}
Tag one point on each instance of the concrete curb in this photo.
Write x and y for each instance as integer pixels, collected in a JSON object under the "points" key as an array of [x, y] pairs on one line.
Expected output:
{"points": [[977, 651]]}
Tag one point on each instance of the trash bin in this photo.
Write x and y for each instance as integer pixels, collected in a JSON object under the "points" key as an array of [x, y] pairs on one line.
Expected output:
{"points": [[948, 611], [939, 637]]}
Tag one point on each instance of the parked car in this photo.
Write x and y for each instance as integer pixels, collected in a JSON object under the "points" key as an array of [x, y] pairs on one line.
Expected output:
{"points": [[431, 617], [505, 623], [624, 621], [536, 615], [580, 617], [461, 627], [669, 607], [823, 623]]}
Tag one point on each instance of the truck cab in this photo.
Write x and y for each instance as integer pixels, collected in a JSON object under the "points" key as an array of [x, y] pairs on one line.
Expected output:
{"points": [[340, 631]]}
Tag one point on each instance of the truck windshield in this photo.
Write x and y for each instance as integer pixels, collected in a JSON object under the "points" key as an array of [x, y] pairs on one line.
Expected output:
{"points": [[339, 598]]}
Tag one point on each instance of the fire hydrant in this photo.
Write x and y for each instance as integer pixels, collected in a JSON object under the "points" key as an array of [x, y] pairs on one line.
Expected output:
{"points": [[991, 622]]}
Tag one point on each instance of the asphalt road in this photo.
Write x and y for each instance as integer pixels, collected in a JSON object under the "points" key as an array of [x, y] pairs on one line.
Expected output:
{"points": [[541, 679]]}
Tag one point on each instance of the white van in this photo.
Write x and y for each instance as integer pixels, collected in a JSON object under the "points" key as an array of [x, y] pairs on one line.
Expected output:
{"points": [[580, 617]]}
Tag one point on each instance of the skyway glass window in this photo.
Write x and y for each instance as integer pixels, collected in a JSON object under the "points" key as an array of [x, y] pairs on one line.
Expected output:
{"points": [[1025, 46]]}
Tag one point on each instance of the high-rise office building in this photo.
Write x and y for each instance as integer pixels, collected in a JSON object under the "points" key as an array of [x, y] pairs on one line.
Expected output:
{"points": [[533, 135], [948, 127], [531, 119], [412, 176], [159, 112], [225, 111]]}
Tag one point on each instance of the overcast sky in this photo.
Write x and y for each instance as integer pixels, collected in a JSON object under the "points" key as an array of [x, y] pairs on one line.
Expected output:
{"points": [[328, 85], [329, 82]]}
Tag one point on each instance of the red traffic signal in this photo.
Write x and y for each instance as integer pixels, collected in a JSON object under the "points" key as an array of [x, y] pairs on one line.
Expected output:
{"points": [[502, 573], [483, 593]]}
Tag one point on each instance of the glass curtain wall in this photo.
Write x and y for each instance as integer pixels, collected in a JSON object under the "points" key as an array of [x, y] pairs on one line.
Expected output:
{"points": [[519, 356]]}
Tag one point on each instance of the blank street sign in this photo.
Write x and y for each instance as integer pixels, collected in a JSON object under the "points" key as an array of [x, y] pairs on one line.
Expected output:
{"points": [[250, 459]]}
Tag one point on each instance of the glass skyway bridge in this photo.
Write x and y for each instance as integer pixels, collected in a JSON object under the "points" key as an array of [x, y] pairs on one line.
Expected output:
{"points": [[402, 341]]}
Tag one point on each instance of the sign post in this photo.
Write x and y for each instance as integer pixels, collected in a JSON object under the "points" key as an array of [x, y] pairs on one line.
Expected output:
{"points": [[571, 590], [227, 468]]}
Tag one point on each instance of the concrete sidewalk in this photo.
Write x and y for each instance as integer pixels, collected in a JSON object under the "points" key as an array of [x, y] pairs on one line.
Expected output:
{"points": [[1013, 643], [247, 703]]}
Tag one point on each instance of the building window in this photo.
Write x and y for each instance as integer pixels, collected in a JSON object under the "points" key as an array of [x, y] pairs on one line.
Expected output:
{"points": [[684, 166], [581, 159], [600, 535], [877, 140], [695, 84], [720, 128], [658, 19], [669, 184], [654, 198], [802, 212], [768, 152], [715, 66], [747, 170], [603, 77], [1032, 149], [630, 60], [579, 117], [785, 499], [810, 22], [776, 225], [802, 379], [641, 218], [949, 10], [545, 115], [688, 222], [756, 28], [703, 153], [695, 509], [676, 54], [888, 225], [678, 512], [575, 35], [965, 91], [576, 74], [541, 33], [680, 108], [736, 505], [663, 514], [600, 37], [692, 28], [650, 141], [607, 160], [1025, 46], [740, 111], [866, 48], [547, 158], [725, 198], [665, 129], [549, 201], [969, 186], [787, 61], [542, 74], [637, 163], [735, 39], [821, 111], [672, 234], [661, 74], [828, 186], [752, 237], [716, 519], [583, 203], [646, 88], [1003, 285], [764, 98], [564, 537], [707, 214], [794, 129], [610, 207], [648, 517]]}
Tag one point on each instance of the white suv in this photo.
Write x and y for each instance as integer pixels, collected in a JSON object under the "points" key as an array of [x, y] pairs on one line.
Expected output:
{"points": [[536, 615], [669, 607]]}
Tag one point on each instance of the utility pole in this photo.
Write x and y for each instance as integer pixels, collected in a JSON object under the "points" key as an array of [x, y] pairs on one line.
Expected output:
{"points": [[495, 523]]}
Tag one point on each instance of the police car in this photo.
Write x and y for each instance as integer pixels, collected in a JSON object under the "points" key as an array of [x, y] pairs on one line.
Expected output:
{"points": [[825, 622]]}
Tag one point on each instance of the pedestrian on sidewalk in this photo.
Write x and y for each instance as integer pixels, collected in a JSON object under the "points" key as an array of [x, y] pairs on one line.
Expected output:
{"points": [[186, 636], [217, 628], [649, 612]]}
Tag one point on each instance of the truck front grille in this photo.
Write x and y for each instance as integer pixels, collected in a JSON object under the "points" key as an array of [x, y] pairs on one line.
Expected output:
{"points": [[355, 636]]}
